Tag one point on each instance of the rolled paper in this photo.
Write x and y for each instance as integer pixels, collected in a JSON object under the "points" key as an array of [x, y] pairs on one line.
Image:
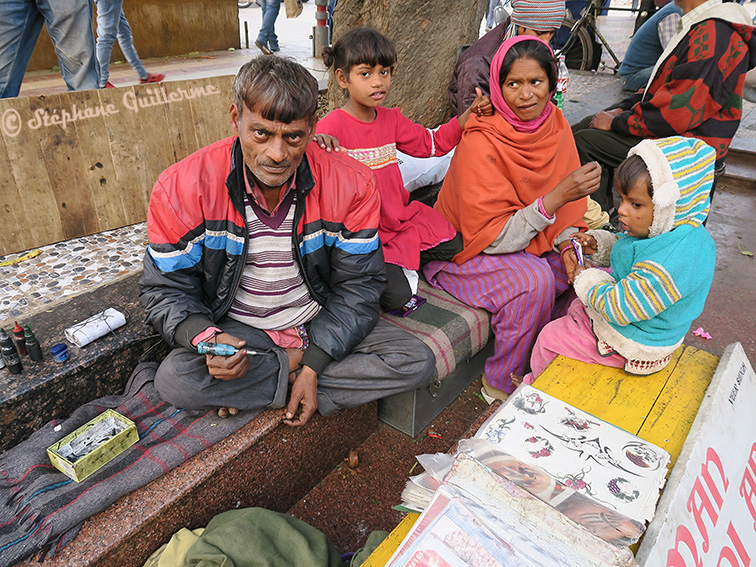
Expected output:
{"points": [[81, 334]]}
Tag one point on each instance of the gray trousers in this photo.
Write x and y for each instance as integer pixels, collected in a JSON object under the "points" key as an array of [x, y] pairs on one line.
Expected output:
{"points": [[388, 361]]}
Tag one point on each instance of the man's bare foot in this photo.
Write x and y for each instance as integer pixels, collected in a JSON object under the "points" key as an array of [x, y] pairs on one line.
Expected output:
{"points": [[223, 413]]}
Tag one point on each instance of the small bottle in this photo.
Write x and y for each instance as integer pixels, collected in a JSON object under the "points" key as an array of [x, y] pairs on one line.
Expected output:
{"points": [[32, 345], [558, 97], [9, 353], [18, 333], [563, 78]]}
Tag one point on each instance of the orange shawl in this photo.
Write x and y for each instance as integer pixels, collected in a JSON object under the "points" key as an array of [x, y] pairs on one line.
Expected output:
{"points": [[497, 171]]}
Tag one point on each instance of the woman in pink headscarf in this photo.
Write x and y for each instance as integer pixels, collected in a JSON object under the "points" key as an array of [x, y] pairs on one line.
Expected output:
{"points": [[516, 191]]}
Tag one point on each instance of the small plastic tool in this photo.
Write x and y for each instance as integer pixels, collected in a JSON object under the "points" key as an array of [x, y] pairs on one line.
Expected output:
{"points": [[220, 349]]}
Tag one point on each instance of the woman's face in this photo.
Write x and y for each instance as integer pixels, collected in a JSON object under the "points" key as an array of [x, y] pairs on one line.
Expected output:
{"points": [[526, 89]]}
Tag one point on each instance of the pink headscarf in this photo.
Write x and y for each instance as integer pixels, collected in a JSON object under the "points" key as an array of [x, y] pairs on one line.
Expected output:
{"points": [[497, 99]]}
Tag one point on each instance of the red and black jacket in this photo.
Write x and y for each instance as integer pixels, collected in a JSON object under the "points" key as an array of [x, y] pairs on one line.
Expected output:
{"points": [[198, 245]]}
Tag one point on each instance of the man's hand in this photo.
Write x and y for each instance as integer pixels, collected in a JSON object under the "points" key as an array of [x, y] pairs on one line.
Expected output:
{"points": [[228, 367], [304, 398], [603, 119]]}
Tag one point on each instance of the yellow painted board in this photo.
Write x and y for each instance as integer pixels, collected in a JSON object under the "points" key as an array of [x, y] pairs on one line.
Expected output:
{"points": [[675, 410], [610, 394], [388, 546]]}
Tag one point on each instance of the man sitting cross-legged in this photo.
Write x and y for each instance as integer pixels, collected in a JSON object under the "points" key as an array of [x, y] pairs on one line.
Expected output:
{"points": [[266, 242]]}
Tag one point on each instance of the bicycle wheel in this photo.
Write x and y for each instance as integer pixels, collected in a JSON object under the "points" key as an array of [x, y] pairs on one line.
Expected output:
{"points": [[576, 47]]}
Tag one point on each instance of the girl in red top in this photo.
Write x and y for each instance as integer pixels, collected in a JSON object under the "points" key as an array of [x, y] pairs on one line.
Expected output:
{"points": [[411, 233]]}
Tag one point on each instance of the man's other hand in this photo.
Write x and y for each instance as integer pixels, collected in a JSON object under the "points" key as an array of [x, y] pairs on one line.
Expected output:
{"points": [[228, 367], [304, 398]]}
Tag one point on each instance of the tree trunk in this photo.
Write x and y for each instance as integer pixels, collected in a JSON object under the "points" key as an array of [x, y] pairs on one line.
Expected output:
{"points": [[427, 35]]}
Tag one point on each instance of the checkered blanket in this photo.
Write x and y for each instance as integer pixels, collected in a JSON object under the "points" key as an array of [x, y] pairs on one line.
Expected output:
{"points": [[41, 508]]}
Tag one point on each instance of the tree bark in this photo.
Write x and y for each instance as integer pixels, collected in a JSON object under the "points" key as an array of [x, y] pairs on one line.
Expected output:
{"points": [[427, 35]]}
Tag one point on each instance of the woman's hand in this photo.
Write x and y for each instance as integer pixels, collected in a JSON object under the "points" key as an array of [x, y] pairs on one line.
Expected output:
{"points": [[327, 142], [587, 241], [481, 106], [569, 259], [578, 184]]}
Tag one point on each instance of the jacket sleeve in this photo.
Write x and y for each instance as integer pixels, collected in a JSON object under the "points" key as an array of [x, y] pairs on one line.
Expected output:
{"points": [[645, 292], [694, 84], [171, 286], [357, 276]]}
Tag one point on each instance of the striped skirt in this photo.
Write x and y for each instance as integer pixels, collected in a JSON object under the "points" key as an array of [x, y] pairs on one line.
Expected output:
{"points": [[519, 290]]}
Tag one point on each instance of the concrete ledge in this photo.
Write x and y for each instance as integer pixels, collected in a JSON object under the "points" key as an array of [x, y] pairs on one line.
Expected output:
{"points": [[265, 464], [48, 390]]}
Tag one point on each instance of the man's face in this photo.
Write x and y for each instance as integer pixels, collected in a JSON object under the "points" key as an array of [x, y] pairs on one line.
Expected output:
{"points": [[272, 150]]}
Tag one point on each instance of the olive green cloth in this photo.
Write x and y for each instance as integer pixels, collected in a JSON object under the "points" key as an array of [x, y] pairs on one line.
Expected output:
{"points": [[373, 541], [256, 537]]}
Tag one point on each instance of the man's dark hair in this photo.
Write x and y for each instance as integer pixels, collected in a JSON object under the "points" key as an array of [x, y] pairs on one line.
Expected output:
{"points": [[530, 49], [359, 46], [278, 88], [629, 171]]}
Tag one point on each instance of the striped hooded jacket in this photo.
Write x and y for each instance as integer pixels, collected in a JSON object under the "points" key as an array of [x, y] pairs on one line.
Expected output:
{"points": [[198, 245], [658, 284]]}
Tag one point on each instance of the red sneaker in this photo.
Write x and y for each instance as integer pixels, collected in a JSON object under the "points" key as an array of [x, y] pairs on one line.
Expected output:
{"points": [[153, 78], [109, 85]]}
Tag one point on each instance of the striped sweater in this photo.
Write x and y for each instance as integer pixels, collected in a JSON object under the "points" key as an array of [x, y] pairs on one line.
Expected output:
{"points": [[658, 284]]}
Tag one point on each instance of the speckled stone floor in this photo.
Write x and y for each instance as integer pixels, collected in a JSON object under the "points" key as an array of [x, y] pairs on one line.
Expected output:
{"points": [[65, 269]]}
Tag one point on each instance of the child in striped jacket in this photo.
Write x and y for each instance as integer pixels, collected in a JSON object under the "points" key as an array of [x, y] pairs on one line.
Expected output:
{"points": [[662, 265]]}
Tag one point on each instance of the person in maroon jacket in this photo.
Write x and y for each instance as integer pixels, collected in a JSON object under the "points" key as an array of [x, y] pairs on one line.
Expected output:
{"points": [[267, 242]]}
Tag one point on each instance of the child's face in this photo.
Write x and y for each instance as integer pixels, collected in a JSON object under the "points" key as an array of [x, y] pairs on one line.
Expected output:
{"points": [[368, 86], [636, 211]]}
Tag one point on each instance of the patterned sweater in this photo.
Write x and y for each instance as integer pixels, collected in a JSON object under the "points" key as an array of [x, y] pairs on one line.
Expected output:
{"points": [[697, 86]]}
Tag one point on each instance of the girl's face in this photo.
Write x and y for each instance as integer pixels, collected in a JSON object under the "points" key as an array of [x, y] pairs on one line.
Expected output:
{"points": [[368, 88], [636, 210], [526, 89]]}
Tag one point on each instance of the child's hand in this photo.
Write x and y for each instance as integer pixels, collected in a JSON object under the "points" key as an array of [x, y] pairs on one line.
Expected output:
{"points": [[575, 271], [327, 142], [587, 241], [481, 106]]}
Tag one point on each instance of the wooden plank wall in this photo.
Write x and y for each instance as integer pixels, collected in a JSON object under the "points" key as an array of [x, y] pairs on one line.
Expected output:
{"points": [[82, 162], [165, 27]]}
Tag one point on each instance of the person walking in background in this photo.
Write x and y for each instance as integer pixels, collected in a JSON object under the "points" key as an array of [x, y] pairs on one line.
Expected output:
{"points": [[111, 25], [69, 24], [267, 40]]}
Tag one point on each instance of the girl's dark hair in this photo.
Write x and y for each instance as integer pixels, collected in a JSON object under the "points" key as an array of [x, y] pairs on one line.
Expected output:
{"points": [[358, 46], [530, 50], [629, 171]]}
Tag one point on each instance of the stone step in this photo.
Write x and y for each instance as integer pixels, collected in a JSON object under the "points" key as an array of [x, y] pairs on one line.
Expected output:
{"points": [[265, 463], [49, 390], [740, 171]]}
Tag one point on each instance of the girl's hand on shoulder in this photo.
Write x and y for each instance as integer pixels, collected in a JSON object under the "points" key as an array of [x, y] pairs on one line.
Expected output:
{"points": [[481, 106], [327, 142], [587, 241]]}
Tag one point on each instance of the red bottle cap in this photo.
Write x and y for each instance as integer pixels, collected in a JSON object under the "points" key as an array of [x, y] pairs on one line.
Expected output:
{"points": [[17, 329]]}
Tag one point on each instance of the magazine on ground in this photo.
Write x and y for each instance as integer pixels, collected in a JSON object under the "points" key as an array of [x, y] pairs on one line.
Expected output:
{"points": [[597, 459], [479, 518]]}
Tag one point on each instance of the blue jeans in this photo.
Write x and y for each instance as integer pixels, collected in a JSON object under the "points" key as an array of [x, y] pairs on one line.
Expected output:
{"points": [[111, 25], [69, 23], [636, 81], [267, 35]]}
